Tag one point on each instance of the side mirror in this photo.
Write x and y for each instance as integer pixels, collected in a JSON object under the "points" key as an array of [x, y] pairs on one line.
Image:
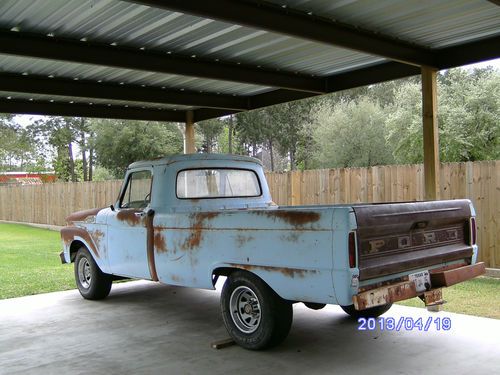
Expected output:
{"points": [[112, 207]]}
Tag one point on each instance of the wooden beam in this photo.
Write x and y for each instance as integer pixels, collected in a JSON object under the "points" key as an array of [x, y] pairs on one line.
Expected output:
{"points": [[431, 141], [189, 142]]}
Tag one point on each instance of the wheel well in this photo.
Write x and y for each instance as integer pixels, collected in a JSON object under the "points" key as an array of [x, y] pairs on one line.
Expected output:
{"points": [[74, 247], [224, 271], [227, 271]]}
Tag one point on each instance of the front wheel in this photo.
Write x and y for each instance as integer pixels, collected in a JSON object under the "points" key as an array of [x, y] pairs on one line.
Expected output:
{"points": [[254, 315], [371, 312], [90, 280]]}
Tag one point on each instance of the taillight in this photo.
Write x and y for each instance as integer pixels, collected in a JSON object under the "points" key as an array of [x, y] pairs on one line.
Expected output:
{"points": [[473, 229], [352, 249]]}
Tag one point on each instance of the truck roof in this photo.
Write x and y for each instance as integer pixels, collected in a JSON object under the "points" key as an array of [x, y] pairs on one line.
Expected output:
{"points": [[193, 157]]}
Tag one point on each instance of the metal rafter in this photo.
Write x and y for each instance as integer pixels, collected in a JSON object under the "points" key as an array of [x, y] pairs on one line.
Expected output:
{"points": [[286, 21], [469, 53], [23, 44], [85, 110], [338, 82], [84, 89]]}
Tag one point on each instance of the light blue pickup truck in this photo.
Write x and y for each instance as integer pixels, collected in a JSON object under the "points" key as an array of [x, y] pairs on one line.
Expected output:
{"points": [[186, 220]]}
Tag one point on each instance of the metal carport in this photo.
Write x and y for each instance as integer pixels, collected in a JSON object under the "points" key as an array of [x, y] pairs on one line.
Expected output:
{"points": [[191, 60]]}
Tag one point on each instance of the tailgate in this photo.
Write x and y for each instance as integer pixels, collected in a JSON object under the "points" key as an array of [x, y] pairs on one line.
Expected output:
{"points": [[399, 237]]}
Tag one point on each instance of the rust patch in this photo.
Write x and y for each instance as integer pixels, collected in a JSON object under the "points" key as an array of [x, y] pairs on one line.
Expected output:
{"points": [[68, 235], [384, 295], [433, 297], [176, 278], [288, 272], [242, 240], [82, 215], [198, 221], [295, 218], [97, 236], [150, 234], [457, 275], [129, 216], [159, 242]]}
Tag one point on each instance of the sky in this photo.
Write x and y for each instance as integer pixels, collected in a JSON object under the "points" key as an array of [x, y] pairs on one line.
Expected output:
{"points": [[25, 120]]}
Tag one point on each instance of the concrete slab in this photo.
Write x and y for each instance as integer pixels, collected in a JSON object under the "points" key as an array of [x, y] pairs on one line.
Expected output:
{"points": [[147, 328]]}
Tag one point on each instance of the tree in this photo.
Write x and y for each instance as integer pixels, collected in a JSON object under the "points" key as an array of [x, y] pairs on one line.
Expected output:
{"points": [[469, 115], [468, 118], [17, 148], [404, 124], [289, 121], [210, 131], [59, 133], [118, 143], [350, 134], [251, 130]]}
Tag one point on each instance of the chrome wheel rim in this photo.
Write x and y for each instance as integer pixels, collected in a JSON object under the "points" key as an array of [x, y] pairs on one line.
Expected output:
{"points": [[84, 273], [245, 309]]}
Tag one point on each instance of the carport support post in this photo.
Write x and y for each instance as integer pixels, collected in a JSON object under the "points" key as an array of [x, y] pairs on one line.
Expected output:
{"points": [[431, 144], [189, 145]]}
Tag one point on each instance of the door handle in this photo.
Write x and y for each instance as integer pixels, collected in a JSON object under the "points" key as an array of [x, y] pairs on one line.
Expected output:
{"points": [[139, 214]]}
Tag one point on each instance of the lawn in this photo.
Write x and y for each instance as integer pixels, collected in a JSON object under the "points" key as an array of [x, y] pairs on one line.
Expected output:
{"points": [[30, 263], [479, 296]]}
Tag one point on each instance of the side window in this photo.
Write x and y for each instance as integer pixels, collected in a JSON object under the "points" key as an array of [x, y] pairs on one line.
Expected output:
{"points": [[138, 191]]}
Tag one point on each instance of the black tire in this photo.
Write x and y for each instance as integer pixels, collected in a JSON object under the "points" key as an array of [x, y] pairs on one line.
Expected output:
{"points": [[371, 312], [259, 319], [91, 281]]}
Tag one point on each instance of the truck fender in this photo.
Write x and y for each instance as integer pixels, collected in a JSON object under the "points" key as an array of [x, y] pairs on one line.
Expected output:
{"points": [[71, 236]]}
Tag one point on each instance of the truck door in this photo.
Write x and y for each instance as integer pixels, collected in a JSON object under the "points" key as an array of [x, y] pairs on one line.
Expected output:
{"points": [[127, 249]]}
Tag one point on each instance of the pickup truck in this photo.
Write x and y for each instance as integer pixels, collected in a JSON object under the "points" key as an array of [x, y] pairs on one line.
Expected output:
{"points": [[188, 219]]}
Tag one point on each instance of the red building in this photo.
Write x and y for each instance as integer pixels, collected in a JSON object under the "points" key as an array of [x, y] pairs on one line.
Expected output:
{"points": [[26, 178]]}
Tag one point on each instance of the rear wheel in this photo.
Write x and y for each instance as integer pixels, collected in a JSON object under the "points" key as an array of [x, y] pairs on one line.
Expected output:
{"points": [[371, 312], [90, 280], [254, 315]]}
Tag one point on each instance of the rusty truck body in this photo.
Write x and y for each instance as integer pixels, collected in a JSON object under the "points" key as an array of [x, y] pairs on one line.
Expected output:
{"points": [[188, 219]]}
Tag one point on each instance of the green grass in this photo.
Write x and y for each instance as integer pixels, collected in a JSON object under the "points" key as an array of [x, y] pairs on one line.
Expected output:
{"points": [[30, 263], [480, 297]]}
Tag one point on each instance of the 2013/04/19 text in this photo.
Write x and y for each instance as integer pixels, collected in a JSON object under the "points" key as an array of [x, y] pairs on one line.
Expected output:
{"points": [[404, 323]]}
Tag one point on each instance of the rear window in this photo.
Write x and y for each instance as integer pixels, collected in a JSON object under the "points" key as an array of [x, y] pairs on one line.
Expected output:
{"points": [[217, 183]]}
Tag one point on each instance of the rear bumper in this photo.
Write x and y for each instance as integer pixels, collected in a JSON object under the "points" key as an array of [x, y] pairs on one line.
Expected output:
{"points": [[406, 289]]}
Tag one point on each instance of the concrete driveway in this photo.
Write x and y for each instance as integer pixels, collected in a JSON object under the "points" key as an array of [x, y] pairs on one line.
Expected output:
{"points": [[147, 328]]}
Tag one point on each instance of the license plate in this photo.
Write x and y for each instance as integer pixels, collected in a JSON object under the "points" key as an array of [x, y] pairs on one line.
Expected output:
{"points": [[421, 279]]}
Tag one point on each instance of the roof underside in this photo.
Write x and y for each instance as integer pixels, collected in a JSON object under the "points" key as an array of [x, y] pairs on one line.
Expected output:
{"points": [[157, 59]]}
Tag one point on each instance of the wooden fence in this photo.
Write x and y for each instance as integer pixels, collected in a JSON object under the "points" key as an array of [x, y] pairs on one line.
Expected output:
{"points": [[478, 181]]}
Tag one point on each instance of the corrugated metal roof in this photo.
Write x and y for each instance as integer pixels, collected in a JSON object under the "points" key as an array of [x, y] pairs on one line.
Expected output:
{"points": [[432, 24], [51, 68], [123, 23], [429, 23]]}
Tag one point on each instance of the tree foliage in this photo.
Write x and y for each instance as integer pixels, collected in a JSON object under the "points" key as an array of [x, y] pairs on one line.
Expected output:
{"points": [[210, 130], [17, 148], [119, 143], [351, 134]]}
